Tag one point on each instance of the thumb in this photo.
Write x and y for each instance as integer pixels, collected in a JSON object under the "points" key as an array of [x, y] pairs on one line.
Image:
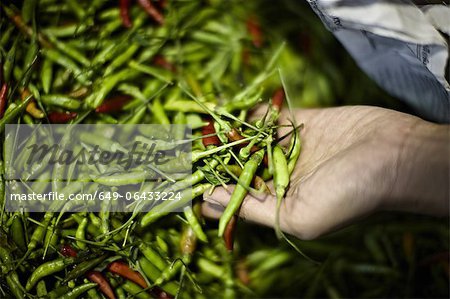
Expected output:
{"points": [[257, 208]]}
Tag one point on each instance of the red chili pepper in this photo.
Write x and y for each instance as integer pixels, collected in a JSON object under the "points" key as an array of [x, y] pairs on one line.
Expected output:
{"points": [[115, 104], [159, 60], [61, 117], [125, 13], [208, 130], [102, 282], [122, 269], [151, 11], [278, 98], [68, 251], [254, 29], [3, 94], [228, 236]]}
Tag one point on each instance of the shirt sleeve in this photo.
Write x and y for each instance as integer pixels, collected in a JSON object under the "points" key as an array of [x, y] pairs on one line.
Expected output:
{"points": [[398, 46]]}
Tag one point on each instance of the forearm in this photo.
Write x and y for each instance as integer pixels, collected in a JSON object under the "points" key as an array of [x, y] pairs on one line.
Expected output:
{"points": [[422, 171]]}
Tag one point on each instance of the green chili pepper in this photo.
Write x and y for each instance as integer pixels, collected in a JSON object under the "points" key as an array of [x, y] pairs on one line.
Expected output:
{"points": [[8, 65], [91, 229], [28, 119], [6, 34], [120, 292], [188, 244], [47, 75], [39, 233], [153, 256], [28, 9], [17, 232], [158, 112], [195, 224], [153, 273], [93, 294], [30, 56], [14, 286], [77, 9], [280, 181], [69, 51], [135, 290], [122, 178], [167, 206], [81, 234], [58, 292], [41, 289], [68, 64], [240, 191], [158, 73], [78, 291], [136, 117], [187, 106], [51, 236], [66, 30], [108, 83], [296, 147], [12, 279], [121, 59], [281, 172], [105, 54], [84, 267], [47, 269], [61, 101], [179, 127]]}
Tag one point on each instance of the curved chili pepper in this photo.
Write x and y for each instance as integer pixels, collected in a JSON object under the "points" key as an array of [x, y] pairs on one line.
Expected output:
{"points": [[102, 282], [240, 191], [68, 251], [61, 117], [125, 13], [122, 269], [115, 104], [47, 269], [254, 29], [209, 130], [3, 94], [152, 11]]}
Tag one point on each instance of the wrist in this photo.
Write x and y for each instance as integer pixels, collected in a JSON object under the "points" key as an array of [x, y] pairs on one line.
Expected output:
{"points": [[420, 169]]}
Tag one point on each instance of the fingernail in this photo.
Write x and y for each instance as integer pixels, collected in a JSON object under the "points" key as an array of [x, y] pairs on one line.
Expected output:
{"points": [[212, 201]]}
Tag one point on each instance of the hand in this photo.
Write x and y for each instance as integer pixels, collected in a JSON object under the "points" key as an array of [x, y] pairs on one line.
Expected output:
{"points": [[354, 161]]}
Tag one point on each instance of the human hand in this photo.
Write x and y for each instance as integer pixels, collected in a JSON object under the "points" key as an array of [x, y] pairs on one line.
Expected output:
{"points": [[354, 161]]}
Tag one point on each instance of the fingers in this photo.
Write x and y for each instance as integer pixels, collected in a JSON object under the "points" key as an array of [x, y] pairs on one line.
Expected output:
{"points": [[259, 209]]}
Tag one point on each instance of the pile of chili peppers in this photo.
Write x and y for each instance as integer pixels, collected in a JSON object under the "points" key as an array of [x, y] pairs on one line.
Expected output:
{"points": [[136, 63], [205, 64]]}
